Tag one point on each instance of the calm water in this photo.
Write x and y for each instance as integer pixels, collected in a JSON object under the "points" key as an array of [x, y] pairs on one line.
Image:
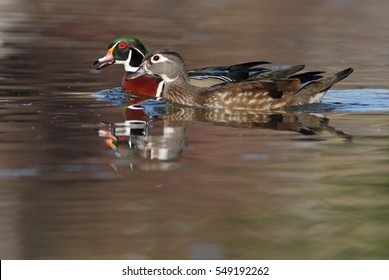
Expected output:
{"points": [[83, 176]]}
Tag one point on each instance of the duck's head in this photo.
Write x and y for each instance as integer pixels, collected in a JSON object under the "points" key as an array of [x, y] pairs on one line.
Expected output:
{"points": [[127, 51], [163, 63]]}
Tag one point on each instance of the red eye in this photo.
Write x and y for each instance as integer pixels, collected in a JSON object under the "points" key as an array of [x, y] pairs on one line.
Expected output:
{"points": [[122, 46]]}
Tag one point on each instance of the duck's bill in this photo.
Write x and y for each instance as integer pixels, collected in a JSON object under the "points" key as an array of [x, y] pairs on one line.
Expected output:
{"points": [[105, 61], [104, 64]]}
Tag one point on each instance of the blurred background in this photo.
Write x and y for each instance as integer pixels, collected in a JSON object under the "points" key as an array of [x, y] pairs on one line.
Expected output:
{"points": [[231, 190]]}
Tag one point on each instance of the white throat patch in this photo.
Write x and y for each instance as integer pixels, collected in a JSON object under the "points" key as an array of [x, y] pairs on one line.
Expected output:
{"points": [[166, 79], [127, 65], [160, 89]]}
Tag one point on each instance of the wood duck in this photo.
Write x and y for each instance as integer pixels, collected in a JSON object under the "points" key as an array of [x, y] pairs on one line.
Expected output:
{"points": [[130, 53], [257, 95]]}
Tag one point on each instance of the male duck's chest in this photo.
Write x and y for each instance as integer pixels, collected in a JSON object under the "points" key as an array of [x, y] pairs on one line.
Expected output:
{"points": [[146, 85]]}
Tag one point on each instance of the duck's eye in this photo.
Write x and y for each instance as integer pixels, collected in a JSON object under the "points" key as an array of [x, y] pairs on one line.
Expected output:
{"points": [[155, 58], [122, 45]]}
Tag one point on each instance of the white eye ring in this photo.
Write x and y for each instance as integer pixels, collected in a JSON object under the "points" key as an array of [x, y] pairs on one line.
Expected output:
{"points": [[155, 58]]}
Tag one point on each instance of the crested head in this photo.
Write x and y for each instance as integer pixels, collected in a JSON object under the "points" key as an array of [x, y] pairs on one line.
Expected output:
{"points": [[128, 51], [131, 42], [166, 64]]}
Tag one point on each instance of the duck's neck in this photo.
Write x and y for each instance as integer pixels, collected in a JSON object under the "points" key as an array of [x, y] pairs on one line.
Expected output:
{"points": [[181, 92]]}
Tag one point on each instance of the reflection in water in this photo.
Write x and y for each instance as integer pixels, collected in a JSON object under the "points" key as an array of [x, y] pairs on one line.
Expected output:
{"points": [[231, 189], [154, 130]]}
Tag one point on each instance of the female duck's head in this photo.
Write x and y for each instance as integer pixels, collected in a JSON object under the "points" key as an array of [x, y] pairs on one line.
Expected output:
{"points": [[166, 64]]}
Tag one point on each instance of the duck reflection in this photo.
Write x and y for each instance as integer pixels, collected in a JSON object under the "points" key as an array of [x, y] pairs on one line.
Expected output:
{"points": [[153, 130], [150, 139]]}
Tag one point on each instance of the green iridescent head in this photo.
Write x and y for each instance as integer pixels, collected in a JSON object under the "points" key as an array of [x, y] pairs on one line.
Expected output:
{"points": [[127, 51]]}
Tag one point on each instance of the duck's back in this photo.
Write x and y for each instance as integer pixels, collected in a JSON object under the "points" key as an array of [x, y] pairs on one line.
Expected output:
{"points": [[252, 95], [270, 94]]}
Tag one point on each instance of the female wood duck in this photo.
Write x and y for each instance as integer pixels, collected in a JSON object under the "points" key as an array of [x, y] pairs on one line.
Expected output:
{"points": [[130, 53], [258, 95]]}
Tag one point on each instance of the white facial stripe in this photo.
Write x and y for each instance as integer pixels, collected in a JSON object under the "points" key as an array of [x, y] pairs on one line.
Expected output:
{"points": [[127, 66], [166, 79], [114, 46], [126, 63], [159, 89]]}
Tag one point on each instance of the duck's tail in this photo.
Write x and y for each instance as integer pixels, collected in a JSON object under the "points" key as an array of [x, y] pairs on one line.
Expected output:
{"points": [[313, 92]]}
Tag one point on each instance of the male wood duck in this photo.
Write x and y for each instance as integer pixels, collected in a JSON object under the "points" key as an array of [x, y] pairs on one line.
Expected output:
{"points": [[130, 53], [258, 95]]}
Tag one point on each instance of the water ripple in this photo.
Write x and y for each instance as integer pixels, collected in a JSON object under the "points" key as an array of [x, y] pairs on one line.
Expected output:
{"points": [[359, 100]]}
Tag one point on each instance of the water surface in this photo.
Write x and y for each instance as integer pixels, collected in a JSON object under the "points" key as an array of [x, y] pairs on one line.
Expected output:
{"points": [[82, 176]]}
